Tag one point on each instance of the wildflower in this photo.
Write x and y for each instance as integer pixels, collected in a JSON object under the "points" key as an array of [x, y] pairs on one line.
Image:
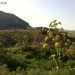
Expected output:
{"points": [[45, 45], [57, 68], [46, 38], [73, 43], [55, 24], [68, 41], [50, 24], [57, 37], [53, 55], [69, 67], [59, 22], [66, 44], [53, 39], [51, 34], [71, 47], [69, 52], [55, 29], [48, 31], [57, 44], [74, 68], [54, 21]]}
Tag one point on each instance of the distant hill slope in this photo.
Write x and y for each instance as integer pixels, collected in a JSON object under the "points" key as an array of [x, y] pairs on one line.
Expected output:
{"points": [[71, 33], [10, 21]]}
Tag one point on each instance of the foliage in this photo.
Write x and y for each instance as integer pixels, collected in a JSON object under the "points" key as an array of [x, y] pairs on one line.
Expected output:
{"points": [[34, 71], [10, 38], [21, 52], [58, 39], [70, 63]]}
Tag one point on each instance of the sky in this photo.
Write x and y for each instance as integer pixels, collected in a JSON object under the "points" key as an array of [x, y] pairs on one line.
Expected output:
{"points": [[39, 13]]}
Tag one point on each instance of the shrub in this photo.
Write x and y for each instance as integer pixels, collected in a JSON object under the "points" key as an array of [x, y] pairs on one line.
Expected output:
{"points": [[70, 63], [64, 72], [36, 71], [26, 48]]}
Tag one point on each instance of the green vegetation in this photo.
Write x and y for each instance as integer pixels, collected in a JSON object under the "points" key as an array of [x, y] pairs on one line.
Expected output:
{"points": [[25, 52]]}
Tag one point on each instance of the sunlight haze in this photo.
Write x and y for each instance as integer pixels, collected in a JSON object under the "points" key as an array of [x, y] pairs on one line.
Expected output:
{"points": [[42, 12]]}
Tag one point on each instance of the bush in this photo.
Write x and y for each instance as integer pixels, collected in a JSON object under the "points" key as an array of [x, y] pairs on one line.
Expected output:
{"points": [[42, 63], [64, 72], [4, 70], [70, 63], [36, 71], [26, 48]]}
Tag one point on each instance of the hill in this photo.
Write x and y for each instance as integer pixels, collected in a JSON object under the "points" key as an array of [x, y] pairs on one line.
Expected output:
{"points": [[11, 21], [71, 33]]}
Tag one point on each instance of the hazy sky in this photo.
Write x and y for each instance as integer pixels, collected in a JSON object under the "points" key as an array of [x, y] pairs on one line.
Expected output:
{"points": [[42, 12]]}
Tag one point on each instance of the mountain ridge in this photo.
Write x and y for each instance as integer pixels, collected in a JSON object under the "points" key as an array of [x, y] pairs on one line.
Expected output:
{"points": [[11, 21]]}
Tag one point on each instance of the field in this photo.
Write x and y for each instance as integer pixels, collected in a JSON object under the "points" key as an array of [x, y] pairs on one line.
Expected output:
{"points": [[22, 53]]}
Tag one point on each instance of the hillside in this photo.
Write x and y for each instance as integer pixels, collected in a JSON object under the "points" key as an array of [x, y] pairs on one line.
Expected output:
{"points": [[11, 21], [71, 33]]}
